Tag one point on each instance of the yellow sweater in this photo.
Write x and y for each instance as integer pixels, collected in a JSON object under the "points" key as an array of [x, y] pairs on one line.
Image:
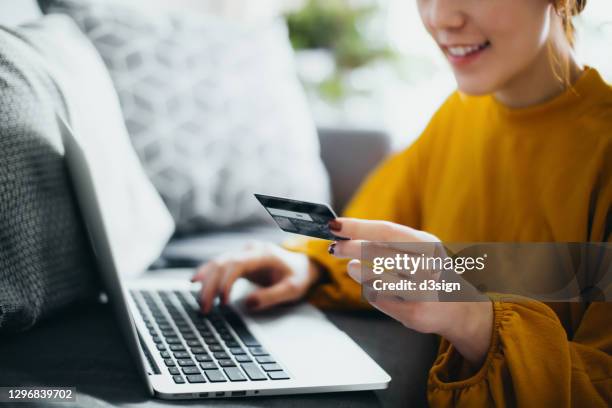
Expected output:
{"points": [[484, 172]]}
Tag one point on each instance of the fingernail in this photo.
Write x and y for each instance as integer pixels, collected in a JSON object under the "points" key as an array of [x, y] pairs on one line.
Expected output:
{"points": [[332, 248], [252, 303], [335, 225]]}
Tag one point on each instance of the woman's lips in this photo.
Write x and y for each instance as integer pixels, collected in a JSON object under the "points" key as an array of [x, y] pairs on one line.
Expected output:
{"points": [[462, 54]]}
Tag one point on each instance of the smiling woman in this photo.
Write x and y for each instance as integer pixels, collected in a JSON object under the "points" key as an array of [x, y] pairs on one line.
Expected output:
{"points": [[487, 52], [430, 79]]}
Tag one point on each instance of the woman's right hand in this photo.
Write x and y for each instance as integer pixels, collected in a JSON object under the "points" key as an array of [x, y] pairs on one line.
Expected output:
{"points": [[285, 276]]}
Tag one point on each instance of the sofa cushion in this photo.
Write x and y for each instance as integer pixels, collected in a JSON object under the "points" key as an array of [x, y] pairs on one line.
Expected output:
{"points": [[45, 261], [49, 67], [15, 12], [137, 221], [214, 109]]}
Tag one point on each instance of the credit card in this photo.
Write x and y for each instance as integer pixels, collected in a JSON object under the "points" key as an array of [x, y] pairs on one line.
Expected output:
{"points": [[300, 217]]}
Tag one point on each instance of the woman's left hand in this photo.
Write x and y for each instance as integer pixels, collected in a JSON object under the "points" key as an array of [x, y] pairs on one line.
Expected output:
{"points": [[467, 325]]}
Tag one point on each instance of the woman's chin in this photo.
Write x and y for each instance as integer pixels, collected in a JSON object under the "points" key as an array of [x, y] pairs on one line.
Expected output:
{"points": [[474, 88], [475, 85]]}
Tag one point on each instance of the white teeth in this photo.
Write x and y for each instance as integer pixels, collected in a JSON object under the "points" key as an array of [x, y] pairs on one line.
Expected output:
{"points": [[462, 51]]}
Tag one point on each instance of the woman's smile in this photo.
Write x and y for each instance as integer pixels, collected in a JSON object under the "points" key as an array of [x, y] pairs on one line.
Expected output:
{"points": [[462, 54]]}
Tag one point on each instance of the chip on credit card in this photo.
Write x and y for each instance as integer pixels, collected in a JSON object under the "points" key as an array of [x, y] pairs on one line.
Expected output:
{"points": [[300, 217]]}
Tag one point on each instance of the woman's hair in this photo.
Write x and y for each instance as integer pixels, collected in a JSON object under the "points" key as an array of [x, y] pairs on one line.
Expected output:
{"points": [[567, 9]]}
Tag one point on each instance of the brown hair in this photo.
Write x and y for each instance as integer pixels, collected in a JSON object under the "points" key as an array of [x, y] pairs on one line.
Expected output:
{"points": [[567, 9]]}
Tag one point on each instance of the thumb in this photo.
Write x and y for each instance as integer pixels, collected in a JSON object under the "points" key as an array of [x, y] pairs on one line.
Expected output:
{"points": [[264, 298]]}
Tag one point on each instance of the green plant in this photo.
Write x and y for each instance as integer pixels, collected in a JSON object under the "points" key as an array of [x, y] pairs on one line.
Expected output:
{"points": [[337, 26]]}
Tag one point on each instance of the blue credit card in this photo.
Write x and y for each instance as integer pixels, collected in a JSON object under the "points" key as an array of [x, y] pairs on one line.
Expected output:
{"points": [[300, 217]]}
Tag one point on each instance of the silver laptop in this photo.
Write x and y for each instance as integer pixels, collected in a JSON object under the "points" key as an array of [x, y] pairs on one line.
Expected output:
{"points": [[183, 354]]}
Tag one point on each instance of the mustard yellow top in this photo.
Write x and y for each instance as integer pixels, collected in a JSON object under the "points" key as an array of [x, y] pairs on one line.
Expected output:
{"points": [[484, 172]]}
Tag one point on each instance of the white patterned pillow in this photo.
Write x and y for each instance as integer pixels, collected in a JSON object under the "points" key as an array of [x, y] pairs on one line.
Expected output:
{"points": [[213, 108]]}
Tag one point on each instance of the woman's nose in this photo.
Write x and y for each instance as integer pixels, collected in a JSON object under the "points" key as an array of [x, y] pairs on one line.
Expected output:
{"points": [[445, 14]]}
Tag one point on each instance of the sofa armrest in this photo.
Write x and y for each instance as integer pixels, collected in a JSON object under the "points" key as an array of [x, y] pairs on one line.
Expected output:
{"points": [[349, 155]]}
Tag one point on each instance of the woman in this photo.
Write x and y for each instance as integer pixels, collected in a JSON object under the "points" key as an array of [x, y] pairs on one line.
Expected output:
{"points": [[521, 152]]}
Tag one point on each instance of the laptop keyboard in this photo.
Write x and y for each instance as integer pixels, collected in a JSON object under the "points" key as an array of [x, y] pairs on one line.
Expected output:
{"points": [[198, 348]]}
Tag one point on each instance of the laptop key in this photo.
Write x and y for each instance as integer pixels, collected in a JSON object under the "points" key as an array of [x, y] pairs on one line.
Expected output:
{"points": [[191, 370], [243, 358], [258, 351], [195, 378], [264, 359], [271, 367], [234, 374], [177, 347], [239, 327], [173, 340], [216, 347], [278, 375], [237, 350], [220, 355], [198, 350], [232, 343], [161, 347], [186, 362], [203, 357], [214, 376], [253, 372], [193, 343], [165, 354], [226, 363], [209, 365], [169, 362], [181, 354], [178, 379], [174, 370]]}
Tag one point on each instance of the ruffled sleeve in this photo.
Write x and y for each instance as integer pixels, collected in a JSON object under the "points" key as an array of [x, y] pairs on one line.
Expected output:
{"points": [[531, 362]]}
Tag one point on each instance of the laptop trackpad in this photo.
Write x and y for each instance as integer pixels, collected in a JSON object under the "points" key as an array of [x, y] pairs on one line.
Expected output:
{"points": [[312, 348]]}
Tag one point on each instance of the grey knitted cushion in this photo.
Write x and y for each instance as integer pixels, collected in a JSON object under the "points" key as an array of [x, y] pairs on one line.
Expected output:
{"points": [[45, 260]]}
